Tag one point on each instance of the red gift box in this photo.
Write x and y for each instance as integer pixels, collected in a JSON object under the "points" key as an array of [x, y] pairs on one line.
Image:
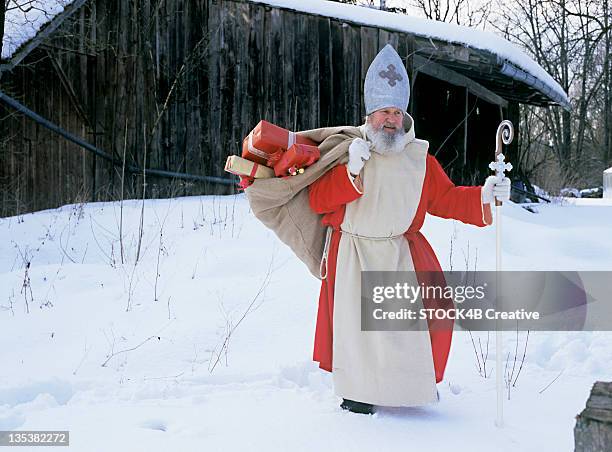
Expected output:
{"points": [[295, 159], [267, 142]]}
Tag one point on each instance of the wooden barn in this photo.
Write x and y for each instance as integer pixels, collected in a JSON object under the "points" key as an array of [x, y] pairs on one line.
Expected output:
{"points": [[108, 87]]}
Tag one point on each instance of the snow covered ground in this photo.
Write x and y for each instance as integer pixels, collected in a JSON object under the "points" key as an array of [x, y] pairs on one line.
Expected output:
{"points": [[215, 353]]}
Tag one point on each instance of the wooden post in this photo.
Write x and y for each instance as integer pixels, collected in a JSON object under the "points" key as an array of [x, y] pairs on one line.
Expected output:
{"points": [[593, 430]]}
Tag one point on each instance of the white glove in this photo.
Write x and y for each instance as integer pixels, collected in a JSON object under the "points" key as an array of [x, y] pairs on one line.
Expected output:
{"points": [[495, 187], [359, 151]]}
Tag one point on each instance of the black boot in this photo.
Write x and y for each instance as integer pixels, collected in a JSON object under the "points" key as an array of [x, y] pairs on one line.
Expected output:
{"points": [[357, 407]]}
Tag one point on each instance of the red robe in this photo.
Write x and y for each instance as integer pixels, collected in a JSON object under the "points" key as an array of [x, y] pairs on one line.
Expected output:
{"points": [[329, 195]]}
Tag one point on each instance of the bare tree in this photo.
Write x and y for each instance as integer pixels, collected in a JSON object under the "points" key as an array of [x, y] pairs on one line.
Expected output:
{"points": [[568, 39], [599, 128], [460, 12], [457, 11], [20, 14], [607, 48], [3, 8]]}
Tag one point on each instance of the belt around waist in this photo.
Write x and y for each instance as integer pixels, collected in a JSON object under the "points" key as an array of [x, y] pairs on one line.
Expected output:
{"points": [[366, 237], [323, 267]]}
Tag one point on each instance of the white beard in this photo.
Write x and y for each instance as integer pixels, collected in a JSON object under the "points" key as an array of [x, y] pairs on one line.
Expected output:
{"points": [[386, 143]]}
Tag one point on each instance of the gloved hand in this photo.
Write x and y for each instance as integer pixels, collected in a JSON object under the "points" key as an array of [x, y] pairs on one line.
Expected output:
{"points": [[495, 187], [359, 151]]}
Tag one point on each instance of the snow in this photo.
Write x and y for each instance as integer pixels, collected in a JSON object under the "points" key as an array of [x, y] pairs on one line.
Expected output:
{"points": [[172, 380], [25, 18], [468, 36]]}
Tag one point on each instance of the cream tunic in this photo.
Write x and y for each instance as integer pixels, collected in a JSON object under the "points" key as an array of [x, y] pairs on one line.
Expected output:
{"points": [[389, 368]]}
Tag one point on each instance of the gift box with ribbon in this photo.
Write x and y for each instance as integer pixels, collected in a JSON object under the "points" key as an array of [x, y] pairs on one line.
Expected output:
{"points": [[243, 167], [267, 142], [295, 159]]}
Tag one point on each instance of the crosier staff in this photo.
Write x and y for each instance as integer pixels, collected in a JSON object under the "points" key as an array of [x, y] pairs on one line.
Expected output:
{"points": [[505, 134]]}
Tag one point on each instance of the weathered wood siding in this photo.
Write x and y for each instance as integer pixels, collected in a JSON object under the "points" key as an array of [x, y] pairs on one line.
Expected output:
{"points": [[177, 84]]}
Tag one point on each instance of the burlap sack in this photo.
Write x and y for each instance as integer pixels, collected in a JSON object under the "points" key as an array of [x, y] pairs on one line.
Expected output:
{"points": [[281, 204]]}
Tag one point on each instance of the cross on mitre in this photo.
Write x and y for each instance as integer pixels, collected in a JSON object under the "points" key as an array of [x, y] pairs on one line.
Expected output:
{"points": [[391, 75]]}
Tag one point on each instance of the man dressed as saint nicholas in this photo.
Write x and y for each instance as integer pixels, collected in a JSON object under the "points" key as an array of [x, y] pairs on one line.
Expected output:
{"points": [[361, 208]]}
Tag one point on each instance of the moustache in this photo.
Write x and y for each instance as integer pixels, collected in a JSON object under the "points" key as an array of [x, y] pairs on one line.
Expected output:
{"points": [[388, 126]]}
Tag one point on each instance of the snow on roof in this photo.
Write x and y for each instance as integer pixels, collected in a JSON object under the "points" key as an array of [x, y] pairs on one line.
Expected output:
{"points": [[25, 18], [467, 36]]}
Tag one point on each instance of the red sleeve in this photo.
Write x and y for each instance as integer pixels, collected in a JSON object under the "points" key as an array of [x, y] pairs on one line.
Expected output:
{"points": [[447, 200], [333, 190]]}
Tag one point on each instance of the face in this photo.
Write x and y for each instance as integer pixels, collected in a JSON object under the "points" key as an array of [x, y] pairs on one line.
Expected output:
{"points": [[385, 130], [389, 120]]}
